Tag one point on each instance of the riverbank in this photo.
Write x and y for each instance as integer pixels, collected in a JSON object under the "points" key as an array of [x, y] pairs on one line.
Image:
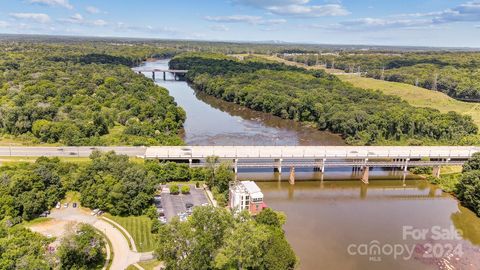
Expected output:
{"points": [[416, 96]]}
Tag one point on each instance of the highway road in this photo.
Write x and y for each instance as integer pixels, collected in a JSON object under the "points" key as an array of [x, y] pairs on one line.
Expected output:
{"points": [[67, 151]]}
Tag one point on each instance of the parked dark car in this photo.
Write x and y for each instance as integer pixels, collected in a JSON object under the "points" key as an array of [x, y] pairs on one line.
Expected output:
{"points": [[74, 205]]}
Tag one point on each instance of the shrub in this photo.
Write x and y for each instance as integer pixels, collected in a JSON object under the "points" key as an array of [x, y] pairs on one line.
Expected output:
{"points": [[185, 189], [197, 184], [421, 170], [174, 189], [468, 190]]}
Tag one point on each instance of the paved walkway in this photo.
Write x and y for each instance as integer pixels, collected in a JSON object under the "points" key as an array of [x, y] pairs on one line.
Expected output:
{"points": [[122, 255]]}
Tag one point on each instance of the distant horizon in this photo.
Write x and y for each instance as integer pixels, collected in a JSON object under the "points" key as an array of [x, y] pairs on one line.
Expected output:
{"points": [[412, 23], [253, 42]]}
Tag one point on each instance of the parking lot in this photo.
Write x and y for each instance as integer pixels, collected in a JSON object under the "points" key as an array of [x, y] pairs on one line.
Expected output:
{"points": [[174, 205]]}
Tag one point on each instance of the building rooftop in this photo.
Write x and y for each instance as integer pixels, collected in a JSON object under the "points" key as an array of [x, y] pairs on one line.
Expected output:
{"points": [[250, 186]]}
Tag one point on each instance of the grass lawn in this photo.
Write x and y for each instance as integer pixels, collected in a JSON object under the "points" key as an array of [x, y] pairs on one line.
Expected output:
{"points": [[449, 177], [139, 228], [447, 182], [416, 96], [149, 265], [71, 197]]}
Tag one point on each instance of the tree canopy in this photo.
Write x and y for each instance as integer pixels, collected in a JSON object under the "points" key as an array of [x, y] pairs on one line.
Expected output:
{"points": [[82, 249], [361, 116], [80, 94], [27, 190], [114, 184], [23, 249], [212, 238]]}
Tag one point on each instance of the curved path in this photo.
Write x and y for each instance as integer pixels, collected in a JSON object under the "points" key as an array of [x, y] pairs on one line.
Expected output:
{"points": [[122, 255]]}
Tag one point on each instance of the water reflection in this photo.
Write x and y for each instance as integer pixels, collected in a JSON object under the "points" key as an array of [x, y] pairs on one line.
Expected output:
{"points": [[325, 217]]}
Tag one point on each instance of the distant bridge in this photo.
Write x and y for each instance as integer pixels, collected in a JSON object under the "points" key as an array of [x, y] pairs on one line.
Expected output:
{"points": [[318, 157], [175, 72]]}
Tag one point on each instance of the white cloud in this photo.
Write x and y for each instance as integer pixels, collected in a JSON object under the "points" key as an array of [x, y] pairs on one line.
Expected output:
{"points": [[37, 17], [385, 23], [79, 19], [309, 11], [122, 27], [254, 20], [269, 3], [99, 23], [234, 19], [298, 8], [92, 10], [60, 3], [219, 28], [4, 24], [467, 12]]}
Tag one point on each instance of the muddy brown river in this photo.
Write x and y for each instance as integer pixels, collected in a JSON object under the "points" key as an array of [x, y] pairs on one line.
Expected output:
{"points": [[335, 221]]}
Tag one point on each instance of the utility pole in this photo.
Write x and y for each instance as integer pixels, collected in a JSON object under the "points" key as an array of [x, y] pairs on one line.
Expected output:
{"points": [[382, 77]]}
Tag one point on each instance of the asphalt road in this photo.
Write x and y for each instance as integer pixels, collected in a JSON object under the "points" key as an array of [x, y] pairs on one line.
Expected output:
{"points": [[123, 256], [68, 151]]}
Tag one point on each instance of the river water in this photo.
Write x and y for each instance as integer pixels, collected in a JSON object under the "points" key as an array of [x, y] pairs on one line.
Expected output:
{"points": [[334, 221], [211, 121]]}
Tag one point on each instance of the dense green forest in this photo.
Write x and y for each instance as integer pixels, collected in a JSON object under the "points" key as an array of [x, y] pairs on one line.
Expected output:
{"points": [[84, 94], [21, 248], [361, 116], [454, 73], [213, 238], [27, 190]]}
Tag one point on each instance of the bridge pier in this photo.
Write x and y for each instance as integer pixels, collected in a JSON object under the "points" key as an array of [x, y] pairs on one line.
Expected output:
{"points": [[235, 165], [153, 75], [405, 168], [164, 76], [292, 176], [278, 165], [436, 171], [190, 162], [365, 174]]}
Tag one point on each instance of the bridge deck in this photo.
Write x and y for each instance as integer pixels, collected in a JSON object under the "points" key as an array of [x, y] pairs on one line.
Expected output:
{"points": [[310, 152], [163, 70]]}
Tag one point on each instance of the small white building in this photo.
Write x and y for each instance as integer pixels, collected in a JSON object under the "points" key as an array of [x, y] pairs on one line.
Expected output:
{"points": [[245, 195]]}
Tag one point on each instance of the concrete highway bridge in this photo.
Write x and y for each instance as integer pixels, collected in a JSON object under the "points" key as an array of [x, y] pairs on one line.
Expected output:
{"points": [[318, 157], [277, 157], [175, 72]]}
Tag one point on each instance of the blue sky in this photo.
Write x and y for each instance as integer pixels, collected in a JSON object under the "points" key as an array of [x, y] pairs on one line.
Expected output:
{"points": [[376, 22]]}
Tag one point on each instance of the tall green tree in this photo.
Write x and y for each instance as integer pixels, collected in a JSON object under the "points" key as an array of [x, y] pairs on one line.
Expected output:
{"points": [[83, 249]]}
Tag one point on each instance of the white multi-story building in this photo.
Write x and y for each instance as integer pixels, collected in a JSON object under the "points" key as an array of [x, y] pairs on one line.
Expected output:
{"points": [[246, 195]]}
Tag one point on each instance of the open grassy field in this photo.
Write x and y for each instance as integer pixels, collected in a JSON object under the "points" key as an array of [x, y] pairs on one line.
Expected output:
{"points": [[139, 228], [416, 96]]}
